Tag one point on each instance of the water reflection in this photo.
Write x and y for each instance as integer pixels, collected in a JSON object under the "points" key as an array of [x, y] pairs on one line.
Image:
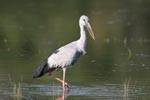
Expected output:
{"points": [[107, 92], [126, 91], [63, 96]]}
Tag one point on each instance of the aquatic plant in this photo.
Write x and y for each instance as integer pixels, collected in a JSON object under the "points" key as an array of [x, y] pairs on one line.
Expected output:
{"points": [[16, 89], [128, 86]]}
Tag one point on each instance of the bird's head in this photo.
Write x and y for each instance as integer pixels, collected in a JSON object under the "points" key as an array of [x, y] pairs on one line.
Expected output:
{"points": [[84, 21]]}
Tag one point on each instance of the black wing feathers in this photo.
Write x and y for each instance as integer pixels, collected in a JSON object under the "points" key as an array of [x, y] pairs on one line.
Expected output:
{"points": [[43, 69], [76, 57]]}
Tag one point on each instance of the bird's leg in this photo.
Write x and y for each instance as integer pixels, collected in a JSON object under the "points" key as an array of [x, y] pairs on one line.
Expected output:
{"points": [[65, 84], [60, 80], [64, 72]]}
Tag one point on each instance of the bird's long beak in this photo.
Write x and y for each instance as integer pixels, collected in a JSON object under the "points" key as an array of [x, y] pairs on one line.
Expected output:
{"points": [[90, 30]]}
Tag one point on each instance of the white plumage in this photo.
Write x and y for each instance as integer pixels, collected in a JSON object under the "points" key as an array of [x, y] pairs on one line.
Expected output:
{"points": [[64, 56]]}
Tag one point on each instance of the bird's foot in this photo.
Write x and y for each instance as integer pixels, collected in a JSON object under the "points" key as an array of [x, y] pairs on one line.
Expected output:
{"points": [[66, 86]]}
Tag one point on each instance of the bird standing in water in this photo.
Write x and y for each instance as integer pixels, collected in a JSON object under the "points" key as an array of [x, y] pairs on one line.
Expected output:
{"points": [[67, 55]]}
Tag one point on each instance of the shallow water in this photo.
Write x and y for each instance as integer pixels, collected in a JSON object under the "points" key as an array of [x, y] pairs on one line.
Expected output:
{"points": [[128, 90], [103, 92]]}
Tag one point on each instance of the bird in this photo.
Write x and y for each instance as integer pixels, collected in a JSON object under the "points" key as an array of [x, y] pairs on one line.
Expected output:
{"points": [[67, 55]]}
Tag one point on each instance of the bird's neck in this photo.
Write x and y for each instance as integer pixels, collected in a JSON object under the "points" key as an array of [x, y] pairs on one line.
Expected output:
{"points": [[82, 39]]}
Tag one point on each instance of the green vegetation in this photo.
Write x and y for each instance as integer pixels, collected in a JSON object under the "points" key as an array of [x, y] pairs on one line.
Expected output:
{"points": [[16, 89]]}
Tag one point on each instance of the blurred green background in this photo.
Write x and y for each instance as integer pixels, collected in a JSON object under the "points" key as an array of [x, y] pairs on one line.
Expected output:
{"points": [[30, 30]]}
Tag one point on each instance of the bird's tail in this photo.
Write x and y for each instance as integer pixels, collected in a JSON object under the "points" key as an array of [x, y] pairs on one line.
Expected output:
{"points": [[43, 69]]}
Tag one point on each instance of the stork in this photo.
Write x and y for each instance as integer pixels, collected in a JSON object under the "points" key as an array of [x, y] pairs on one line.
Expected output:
{"points": [[67, 55]]}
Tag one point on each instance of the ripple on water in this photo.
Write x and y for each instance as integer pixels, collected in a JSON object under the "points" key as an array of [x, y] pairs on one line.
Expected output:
{"points": [[105, 91]]}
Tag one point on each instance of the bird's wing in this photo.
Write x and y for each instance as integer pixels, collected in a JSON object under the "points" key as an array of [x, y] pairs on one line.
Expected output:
{"points": [[64, 56]]}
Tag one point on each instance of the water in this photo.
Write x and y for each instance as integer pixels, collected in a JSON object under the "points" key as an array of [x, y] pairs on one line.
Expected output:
{"points": [[115, 67], [101, 92]]}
